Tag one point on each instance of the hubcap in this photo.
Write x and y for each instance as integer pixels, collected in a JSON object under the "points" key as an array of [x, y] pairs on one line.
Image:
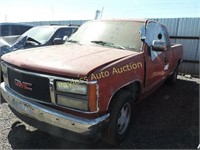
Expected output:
{"points": [[124, 118]]}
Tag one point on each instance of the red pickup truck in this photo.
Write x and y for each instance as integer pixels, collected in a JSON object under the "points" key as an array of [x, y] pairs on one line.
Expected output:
{"points": [[86, 88]]}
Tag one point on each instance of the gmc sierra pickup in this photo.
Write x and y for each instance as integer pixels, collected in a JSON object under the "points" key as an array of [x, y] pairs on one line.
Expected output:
{"points": [[86, 88]]}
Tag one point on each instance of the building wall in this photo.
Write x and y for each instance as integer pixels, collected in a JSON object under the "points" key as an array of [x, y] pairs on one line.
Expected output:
{"points": [[186, 31]]}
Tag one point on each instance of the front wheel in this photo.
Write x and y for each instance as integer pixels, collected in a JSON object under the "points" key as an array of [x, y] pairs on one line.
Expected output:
{"points": [[120, 118]]}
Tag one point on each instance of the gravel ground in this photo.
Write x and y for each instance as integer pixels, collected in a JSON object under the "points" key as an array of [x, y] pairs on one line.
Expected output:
{"points": [[169, 118]]}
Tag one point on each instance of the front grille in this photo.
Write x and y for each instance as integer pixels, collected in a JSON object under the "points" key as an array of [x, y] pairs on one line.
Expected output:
{"points": [[38, 87]]}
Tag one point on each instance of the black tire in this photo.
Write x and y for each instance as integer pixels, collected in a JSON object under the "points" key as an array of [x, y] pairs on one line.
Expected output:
{"points": [[1, 76], [120, 118], [173, 78]]}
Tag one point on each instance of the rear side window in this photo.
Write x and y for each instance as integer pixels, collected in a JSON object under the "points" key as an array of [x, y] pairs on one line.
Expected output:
{"points": [[7, 30], [64, 32], [15, 30], [4, 30], [23, 29]]}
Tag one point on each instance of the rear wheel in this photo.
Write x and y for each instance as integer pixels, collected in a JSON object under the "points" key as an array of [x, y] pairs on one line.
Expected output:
{"points": [[173, 78], [120, 118]]}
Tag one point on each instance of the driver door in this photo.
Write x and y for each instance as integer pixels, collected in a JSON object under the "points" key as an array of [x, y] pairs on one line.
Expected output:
{"points": [[156, 61]]}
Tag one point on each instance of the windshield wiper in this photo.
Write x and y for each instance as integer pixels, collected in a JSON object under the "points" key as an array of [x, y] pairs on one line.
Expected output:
{"points": [[104, 43]]}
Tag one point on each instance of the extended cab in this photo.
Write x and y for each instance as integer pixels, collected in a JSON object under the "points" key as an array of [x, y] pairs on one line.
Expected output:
{"points": [[87, 87]]}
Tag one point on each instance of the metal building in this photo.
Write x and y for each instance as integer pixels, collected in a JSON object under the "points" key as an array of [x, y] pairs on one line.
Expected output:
{"points": [[185, 31], [60, 22]]}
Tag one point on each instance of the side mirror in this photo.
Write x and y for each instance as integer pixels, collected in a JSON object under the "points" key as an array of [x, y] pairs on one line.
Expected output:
{"points": [[158, 45], [57, 41], [65, 38]]}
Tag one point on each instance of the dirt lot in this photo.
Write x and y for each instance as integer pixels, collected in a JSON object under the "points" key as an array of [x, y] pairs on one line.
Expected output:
{"points": [[169, 118]]}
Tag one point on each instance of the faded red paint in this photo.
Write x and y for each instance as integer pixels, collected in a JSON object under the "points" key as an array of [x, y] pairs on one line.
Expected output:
{"points": [[95, 62], [69, 60]]}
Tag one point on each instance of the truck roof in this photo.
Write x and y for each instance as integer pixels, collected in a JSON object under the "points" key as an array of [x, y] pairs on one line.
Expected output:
{"points": [[132, 20]]}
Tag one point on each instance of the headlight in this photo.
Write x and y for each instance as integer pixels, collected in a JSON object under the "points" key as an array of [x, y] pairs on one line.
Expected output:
{"points": [[89, 91], [71, 87], [72, 102]]}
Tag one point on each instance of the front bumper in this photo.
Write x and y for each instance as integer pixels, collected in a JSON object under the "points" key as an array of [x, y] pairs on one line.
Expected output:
{"points": [[41, 113]]}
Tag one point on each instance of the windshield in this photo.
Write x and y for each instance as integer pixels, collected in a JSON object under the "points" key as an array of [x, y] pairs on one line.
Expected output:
{"points": [[124, 34], [40, 34]]}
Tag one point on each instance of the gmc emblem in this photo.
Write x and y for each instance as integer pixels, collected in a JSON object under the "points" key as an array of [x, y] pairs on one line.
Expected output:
{"points": [[23, 85]]}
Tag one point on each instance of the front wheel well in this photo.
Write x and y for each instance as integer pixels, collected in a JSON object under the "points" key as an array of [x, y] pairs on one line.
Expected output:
{"points": [[134, 88]]}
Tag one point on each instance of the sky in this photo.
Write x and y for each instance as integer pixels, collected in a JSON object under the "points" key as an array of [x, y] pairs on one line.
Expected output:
{"points": [[48, 10]]}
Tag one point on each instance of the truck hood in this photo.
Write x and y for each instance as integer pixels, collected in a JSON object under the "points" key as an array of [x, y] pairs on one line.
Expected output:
{"points": [[66, 60]]}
